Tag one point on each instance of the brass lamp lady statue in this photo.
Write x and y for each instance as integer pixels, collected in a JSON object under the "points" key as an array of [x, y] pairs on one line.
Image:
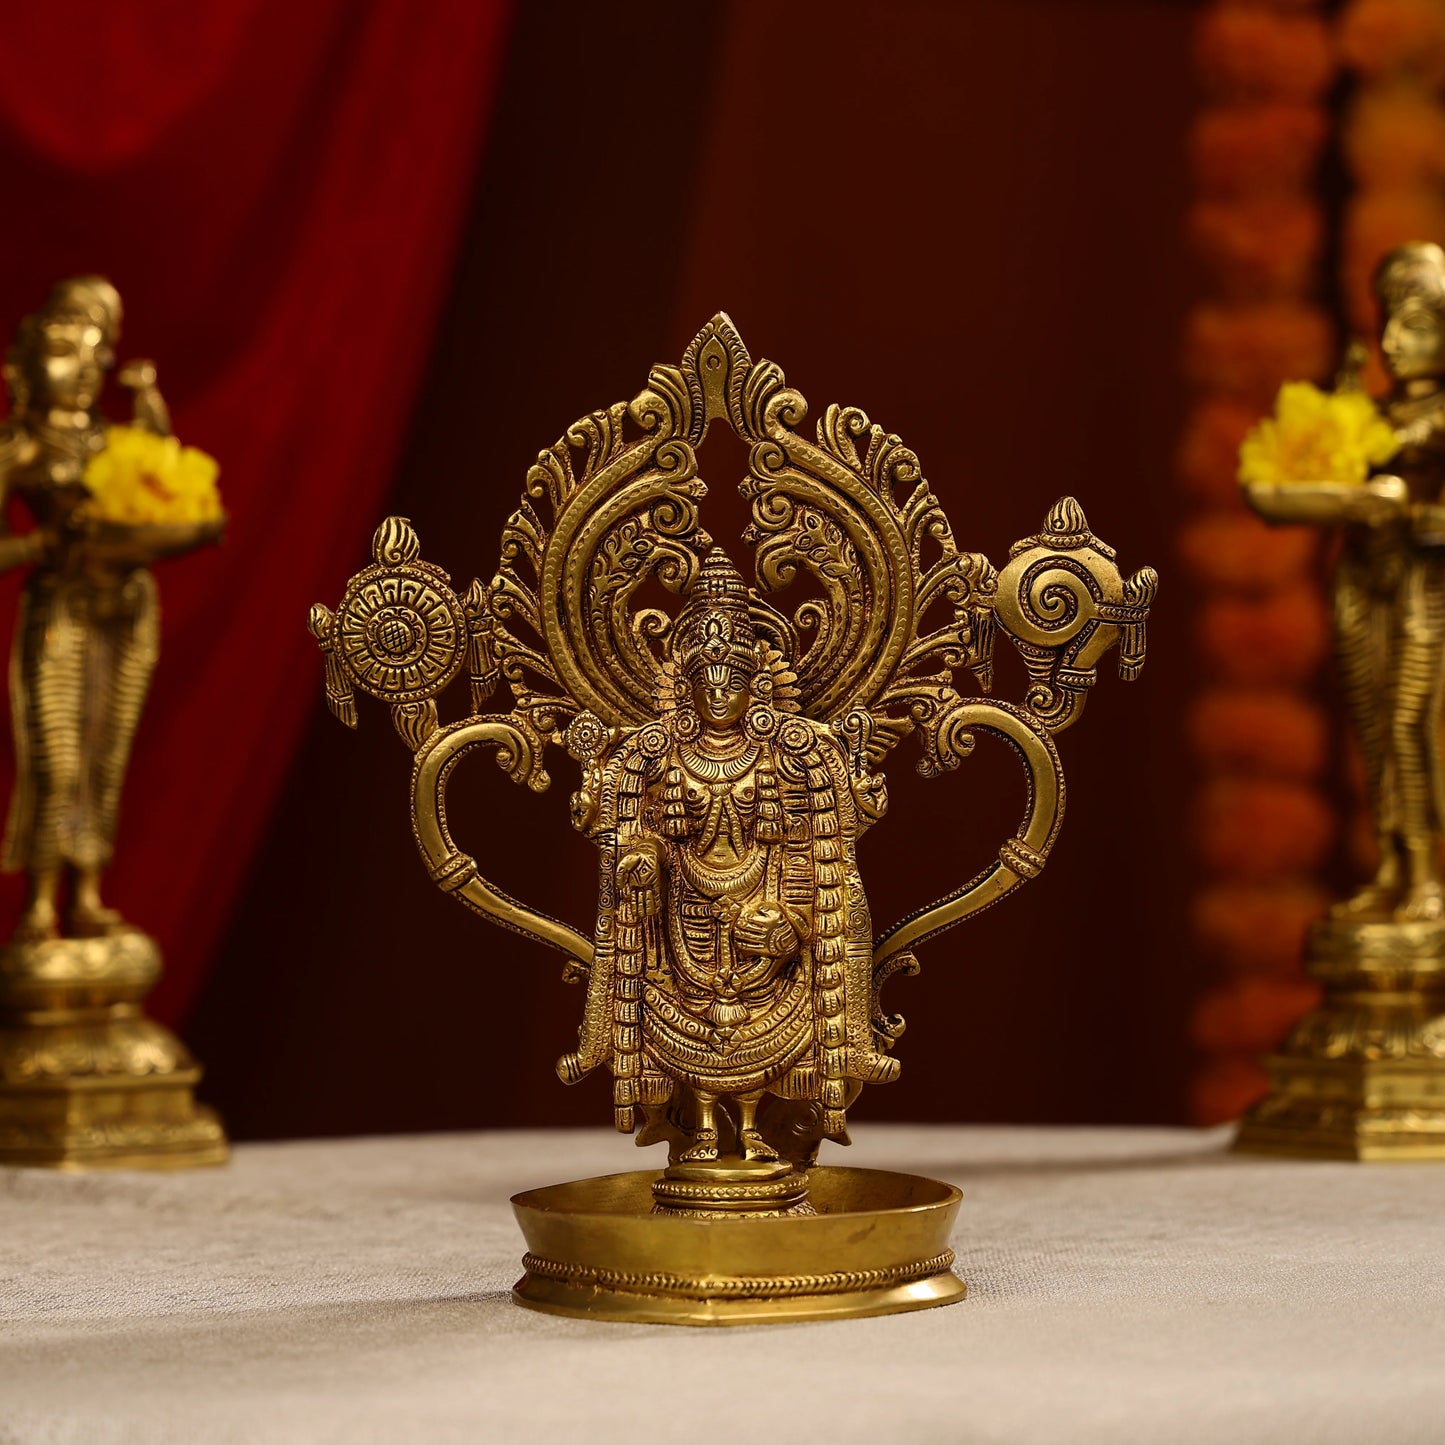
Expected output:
{"points": [[85, 1079], [1363, 1076]]}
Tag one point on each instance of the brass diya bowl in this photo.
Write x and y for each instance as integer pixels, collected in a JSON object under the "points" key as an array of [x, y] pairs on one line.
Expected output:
{"points": [[876, 1243]]}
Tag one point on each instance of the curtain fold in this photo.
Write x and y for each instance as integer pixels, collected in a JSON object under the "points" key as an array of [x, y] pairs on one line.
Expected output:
{"points": [[277, 189]]}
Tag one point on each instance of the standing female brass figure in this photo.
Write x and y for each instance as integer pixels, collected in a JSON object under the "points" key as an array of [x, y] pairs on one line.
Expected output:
{"points": [[1389, 601], [88, 631], [86, 1080], [1363, 1075]]}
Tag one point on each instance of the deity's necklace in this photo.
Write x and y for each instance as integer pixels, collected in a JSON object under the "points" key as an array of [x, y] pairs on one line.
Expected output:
{"points": [[717, 770]]}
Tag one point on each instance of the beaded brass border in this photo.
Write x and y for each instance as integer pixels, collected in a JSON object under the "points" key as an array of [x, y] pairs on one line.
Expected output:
{"points": [[754, 1286]]}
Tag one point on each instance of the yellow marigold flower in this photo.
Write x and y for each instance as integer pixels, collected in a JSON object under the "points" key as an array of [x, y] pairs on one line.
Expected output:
{"points": [[143, 478], [1316, 436]]}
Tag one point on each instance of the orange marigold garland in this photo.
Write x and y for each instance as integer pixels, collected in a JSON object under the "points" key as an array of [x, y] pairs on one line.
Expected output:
{"points": [[1385, 41], [1262, 825], [1393, 142]]}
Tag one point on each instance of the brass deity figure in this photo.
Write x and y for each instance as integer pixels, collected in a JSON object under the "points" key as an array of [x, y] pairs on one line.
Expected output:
{"points": [[740, 914], [1363, 1076], [85, 1079], [730, 757]]}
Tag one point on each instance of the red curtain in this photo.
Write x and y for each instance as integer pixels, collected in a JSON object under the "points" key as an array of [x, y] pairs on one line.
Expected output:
{"points": [[277, 188]]}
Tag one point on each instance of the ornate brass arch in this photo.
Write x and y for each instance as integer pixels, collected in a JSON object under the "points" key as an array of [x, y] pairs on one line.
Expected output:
{"points": [[895, 639]]}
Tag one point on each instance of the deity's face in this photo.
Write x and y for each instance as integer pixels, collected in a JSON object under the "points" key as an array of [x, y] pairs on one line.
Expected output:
{"points": [[71, 357], [1413, 340], [721, 694]]}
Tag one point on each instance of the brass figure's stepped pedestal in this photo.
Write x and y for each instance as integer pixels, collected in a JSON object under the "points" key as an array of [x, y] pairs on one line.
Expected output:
{"points": [[754, 1187], [1362, 1076], [873, 1242], [87, 1081]]}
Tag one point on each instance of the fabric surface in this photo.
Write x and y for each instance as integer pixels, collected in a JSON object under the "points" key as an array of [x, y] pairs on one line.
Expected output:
{"points": [[1124, 1285], [277, 189]]}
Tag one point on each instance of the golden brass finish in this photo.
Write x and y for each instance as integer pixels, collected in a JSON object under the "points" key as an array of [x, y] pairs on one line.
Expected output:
{"points": [[731, 755], [877, 1243], [743, 1186], [86, 1080], [1363, 1076]]}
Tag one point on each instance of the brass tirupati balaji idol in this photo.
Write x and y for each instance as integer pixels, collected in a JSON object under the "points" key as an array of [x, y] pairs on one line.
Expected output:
{"points": [[86, 1080], [730, 758], [1363, 1075]]}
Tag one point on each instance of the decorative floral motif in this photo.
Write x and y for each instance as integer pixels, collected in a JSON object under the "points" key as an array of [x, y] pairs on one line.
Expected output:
{"points": [[586, 736]]}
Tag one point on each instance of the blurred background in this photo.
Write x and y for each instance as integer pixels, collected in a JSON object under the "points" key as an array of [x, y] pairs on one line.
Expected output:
{"points": [[383, 253]]}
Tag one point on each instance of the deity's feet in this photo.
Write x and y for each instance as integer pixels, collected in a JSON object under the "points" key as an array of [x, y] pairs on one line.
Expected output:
{"points": [[703, 1150], [39, 923], [752, 1145]]}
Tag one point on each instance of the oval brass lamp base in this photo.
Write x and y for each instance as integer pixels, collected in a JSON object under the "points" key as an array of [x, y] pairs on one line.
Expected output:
{"points": [[877, 1244]]}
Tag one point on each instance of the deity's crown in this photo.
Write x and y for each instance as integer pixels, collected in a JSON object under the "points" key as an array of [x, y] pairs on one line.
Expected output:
{"points": [[714, 628]]}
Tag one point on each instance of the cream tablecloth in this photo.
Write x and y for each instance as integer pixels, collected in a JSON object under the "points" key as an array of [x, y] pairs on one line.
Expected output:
{"points": [[1125, 1286]]}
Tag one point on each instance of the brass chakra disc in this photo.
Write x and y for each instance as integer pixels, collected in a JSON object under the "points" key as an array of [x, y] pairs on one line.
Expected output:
{"points": [[402, 633], [876, 1243]]}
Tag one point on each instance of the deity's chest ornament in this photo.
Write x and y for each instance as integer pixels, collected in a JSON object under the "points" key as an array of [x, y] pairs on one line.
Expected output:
{"points": [[731, 752]]}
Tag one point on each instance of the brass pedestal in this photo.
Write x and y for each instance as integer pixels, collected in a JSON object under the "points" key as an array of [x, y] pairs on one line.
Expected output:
{"points": [[1362, 1076], [87, 1081], [868, 1242]]}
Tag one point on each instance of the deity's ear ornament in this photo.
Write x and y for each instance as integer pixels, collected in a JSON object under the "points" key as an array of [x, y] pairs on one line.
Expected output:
{"points": [[731, 752]]}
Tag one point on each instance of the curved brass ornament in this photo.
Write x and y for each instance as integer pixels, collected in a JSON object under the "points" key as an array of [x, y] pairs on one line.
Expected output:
{"points": [[1022, 856], [519, 754], [731, 752]]}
